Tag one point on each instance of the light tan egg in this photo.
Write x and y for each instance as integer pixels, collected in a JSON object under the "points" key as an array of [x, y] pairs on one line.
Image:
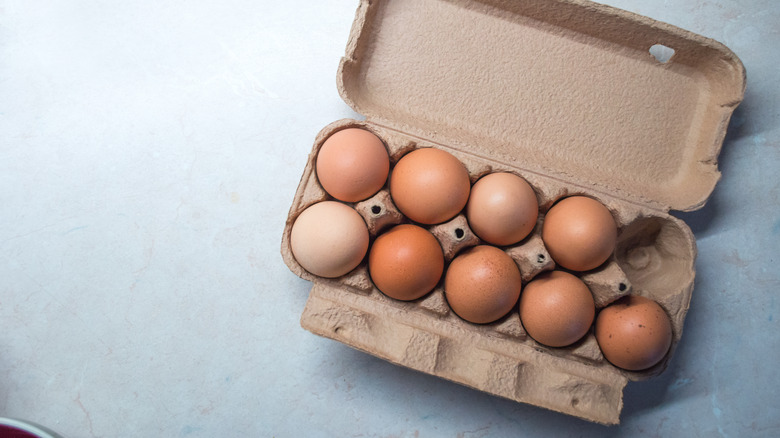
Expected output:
{"points": [[329, 239]]}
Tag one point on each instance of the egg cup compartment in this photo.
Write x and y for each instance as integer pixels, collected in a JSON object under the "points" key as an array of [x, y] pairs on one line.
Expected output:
{"points": [[637, 135], [657, 255]]}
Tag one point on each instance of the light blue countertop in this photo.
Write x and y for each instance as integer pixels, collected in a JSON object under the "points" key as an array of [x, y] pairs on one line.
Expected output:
{"points": [[149, 152]]}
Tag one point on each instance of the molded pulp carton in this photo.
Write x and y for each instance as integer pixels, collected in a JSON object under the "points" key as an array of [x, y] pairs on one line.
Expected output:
{"points": [[575, 97]]}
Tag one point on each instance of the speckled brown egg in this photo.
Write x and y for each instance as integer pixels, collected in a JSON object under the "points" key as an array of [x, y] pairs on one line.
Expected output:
{"points": [[579, 233], [634, 332], [556, 309], [429, 185], [329, 239], [482, 284], [352, 164], [406, 262], [502, 208]]}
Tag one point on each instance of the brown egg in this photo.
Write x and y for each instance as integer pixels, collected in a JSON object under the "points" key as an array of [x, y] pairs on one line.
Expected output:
{"points": [[329, 239], [580, 233], [429, 185], [406, 262], [634, 332], [352, 165], [556, 309], [482, 284], [502, 209]]}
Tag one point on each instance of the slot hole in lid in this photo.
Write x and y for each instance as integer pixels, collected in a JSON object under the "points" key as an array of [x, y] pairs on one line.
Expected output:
{"points": [[376, 209], [661, 53], [459, 233]]}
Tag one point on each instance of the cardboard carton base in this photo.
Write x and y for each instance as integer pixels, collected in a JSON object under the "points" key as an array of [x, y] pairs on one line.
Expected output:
{"points": [[460, 352]]}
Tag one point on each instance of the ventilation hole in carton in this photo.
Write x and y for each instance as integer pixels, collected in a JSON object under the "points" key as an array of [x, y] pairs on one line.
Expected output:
{"points": [[575, 401], [540, 258], [622, 287], [376, 209], [661, 53], [459, 233]]}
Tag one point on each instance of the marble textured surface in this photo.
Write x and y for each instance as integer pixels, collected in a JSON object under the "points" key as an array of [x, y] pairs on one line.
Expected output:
{"points": [[149, 152]]}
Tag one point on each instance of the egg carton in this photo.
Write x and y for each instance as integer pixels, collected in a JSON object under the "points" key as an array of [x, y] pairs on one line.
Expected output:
{"points": [[573, 97]]}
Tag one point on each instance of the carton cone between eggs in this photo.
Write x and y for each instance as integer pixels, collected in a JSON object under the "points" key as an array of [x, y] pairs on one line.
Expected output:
{"points": [[568, 96]]}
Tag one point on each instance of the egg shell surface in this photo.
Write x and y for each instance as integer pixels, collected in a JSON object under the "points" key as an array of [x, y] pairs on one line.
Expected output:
{"points": [[557, 308], [502, 208], [634, 332], [406, 262], [352, 165], [430, 186], [482, 284], [580, 233], [329, 239]]}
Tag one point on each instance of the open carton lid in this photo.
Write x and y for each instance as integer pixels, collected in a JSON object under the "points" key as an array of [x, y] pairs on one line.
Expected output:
{"points": [[566, 88]]}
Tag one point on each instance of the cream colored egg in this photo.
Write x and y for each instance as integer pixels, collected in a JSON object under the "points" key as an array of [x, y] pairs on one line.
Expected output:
{"points": [[329, 239]]}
